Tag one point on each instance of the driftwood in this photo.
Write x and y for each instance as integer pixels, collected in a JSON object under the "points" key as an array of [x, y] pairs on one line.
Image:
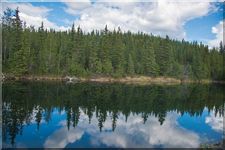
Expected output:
{"points": [[71, 79], [2, 78]]}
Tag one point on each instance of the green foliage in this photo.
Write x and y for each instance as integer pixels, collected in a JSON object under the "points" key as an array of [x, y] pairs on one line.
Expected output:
{"points": [[151, 68], [77, 70], [19, 67], [164, 57], [176, 70], [130, 68], [198, 67], [107, 67], [27, 51]]}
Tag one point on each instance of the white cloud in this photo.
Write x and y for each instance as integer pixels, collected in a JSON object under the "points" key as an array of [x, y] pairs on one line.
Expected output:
{"points": [[131, 134], [216, 122], [164, 17], [136, 134], [218, 31], [62, 137], [75, 7], [29, 9], [34, 15], [33, 118]]}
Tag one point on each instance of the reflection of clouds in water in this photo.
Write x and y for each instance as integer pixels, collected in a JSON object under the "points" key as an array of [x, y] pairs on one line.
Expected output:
{"points": [[132, 133], [33, 116], [62, 137], [136, 134], [216, 122]]}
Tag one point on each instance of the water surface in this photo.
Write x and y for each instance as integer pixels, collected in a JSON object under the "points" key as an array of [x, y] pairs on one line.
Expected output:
{"points": [[55, 114]]}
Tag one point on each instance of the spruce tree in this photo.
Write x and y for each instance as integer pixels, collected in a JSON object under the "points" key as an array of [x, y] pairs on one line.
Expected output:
{"points": [[26, 50], [118, 49], [104, 53], [150, 66], [130, 68], [17, 43], [163, 57], [197, 66], [7, 38], [94, 64]]}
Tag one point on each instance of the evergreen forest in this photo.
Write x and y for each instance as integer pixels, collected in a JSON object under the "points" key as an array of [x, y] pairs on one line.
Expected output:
{"points": [[37, 51]]}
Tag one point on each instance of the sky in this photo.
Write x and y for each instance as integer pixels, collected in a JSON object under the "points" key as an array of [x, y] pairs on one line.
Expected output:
{"points": [[193, 20], [176, 131]]}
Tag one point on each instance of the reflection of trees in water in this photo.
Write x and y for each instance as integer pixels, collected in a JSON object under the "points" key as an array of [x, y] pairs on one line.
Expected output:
{"points": [[21, 100]]}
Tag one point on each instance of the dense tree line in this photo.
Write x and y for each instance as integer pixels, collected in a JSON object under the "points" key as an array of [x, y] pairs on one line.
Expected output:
{"points": [[24, 101], [30, 51]]}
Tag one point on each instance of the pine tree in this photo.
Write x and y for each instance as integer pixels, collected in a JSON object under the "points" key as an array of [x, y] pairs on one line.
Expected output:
{"points": [[176, 70], [221, 47], [94, 64], [16, 45], [118, 49], [163, 57], [150, 66], [104, 53], [40, 52], [27, 51], [197, 66], [130, 68], [7, 38], [216, 63], [107, 67]]}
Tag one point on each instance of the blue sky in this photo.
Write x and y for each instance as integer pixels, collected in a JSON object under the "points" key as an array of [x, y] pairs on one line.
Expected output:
{"points": [[200, 28], [201, 21]]}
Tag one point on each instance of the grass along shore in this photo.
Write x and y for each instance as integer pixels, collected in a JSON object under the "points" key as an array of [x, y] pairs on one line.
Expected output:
{"points": [[106, 79]]}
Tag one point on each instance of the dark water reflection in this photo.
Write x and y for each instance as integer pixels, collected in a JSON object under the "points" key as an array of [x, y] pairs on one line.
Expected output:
{"points": [[111, 115]]}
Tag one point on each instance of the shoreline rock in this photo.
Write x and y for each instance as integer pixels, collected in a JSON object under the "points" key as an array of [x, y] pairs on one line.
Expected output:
{"points": [[103, 79], [217, 145]]}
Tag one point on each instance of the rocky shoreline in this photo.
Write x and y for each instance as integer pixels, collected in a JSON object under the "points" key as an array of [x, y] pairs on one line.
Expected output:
{"points": [[218, 145], [104, 79]]}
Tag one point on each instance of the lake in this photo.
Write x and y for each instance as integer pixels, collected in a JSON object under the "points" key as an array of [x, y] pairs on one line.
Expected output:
{"points": [[94, 115]]}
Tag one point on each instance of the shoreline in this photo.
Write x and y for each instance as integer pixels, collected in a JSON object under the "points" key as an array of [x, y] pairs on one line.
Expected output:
{"points": [[106, 79], [214, 145]]}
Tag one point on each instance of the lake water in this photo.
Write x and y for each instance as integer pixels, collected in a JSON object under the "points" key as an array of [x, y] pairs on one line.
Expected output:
{"points": [[55, 114]]}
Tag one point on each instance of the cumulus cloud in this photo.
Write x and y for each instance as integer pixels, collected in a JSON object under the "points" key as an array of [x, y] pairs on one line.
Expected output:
{"points": [[74, 8], [62, 137], [218, 31], [130, 134], [216, 122], [34, 15], [33, 116], [161, 18], [135, 134]]}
